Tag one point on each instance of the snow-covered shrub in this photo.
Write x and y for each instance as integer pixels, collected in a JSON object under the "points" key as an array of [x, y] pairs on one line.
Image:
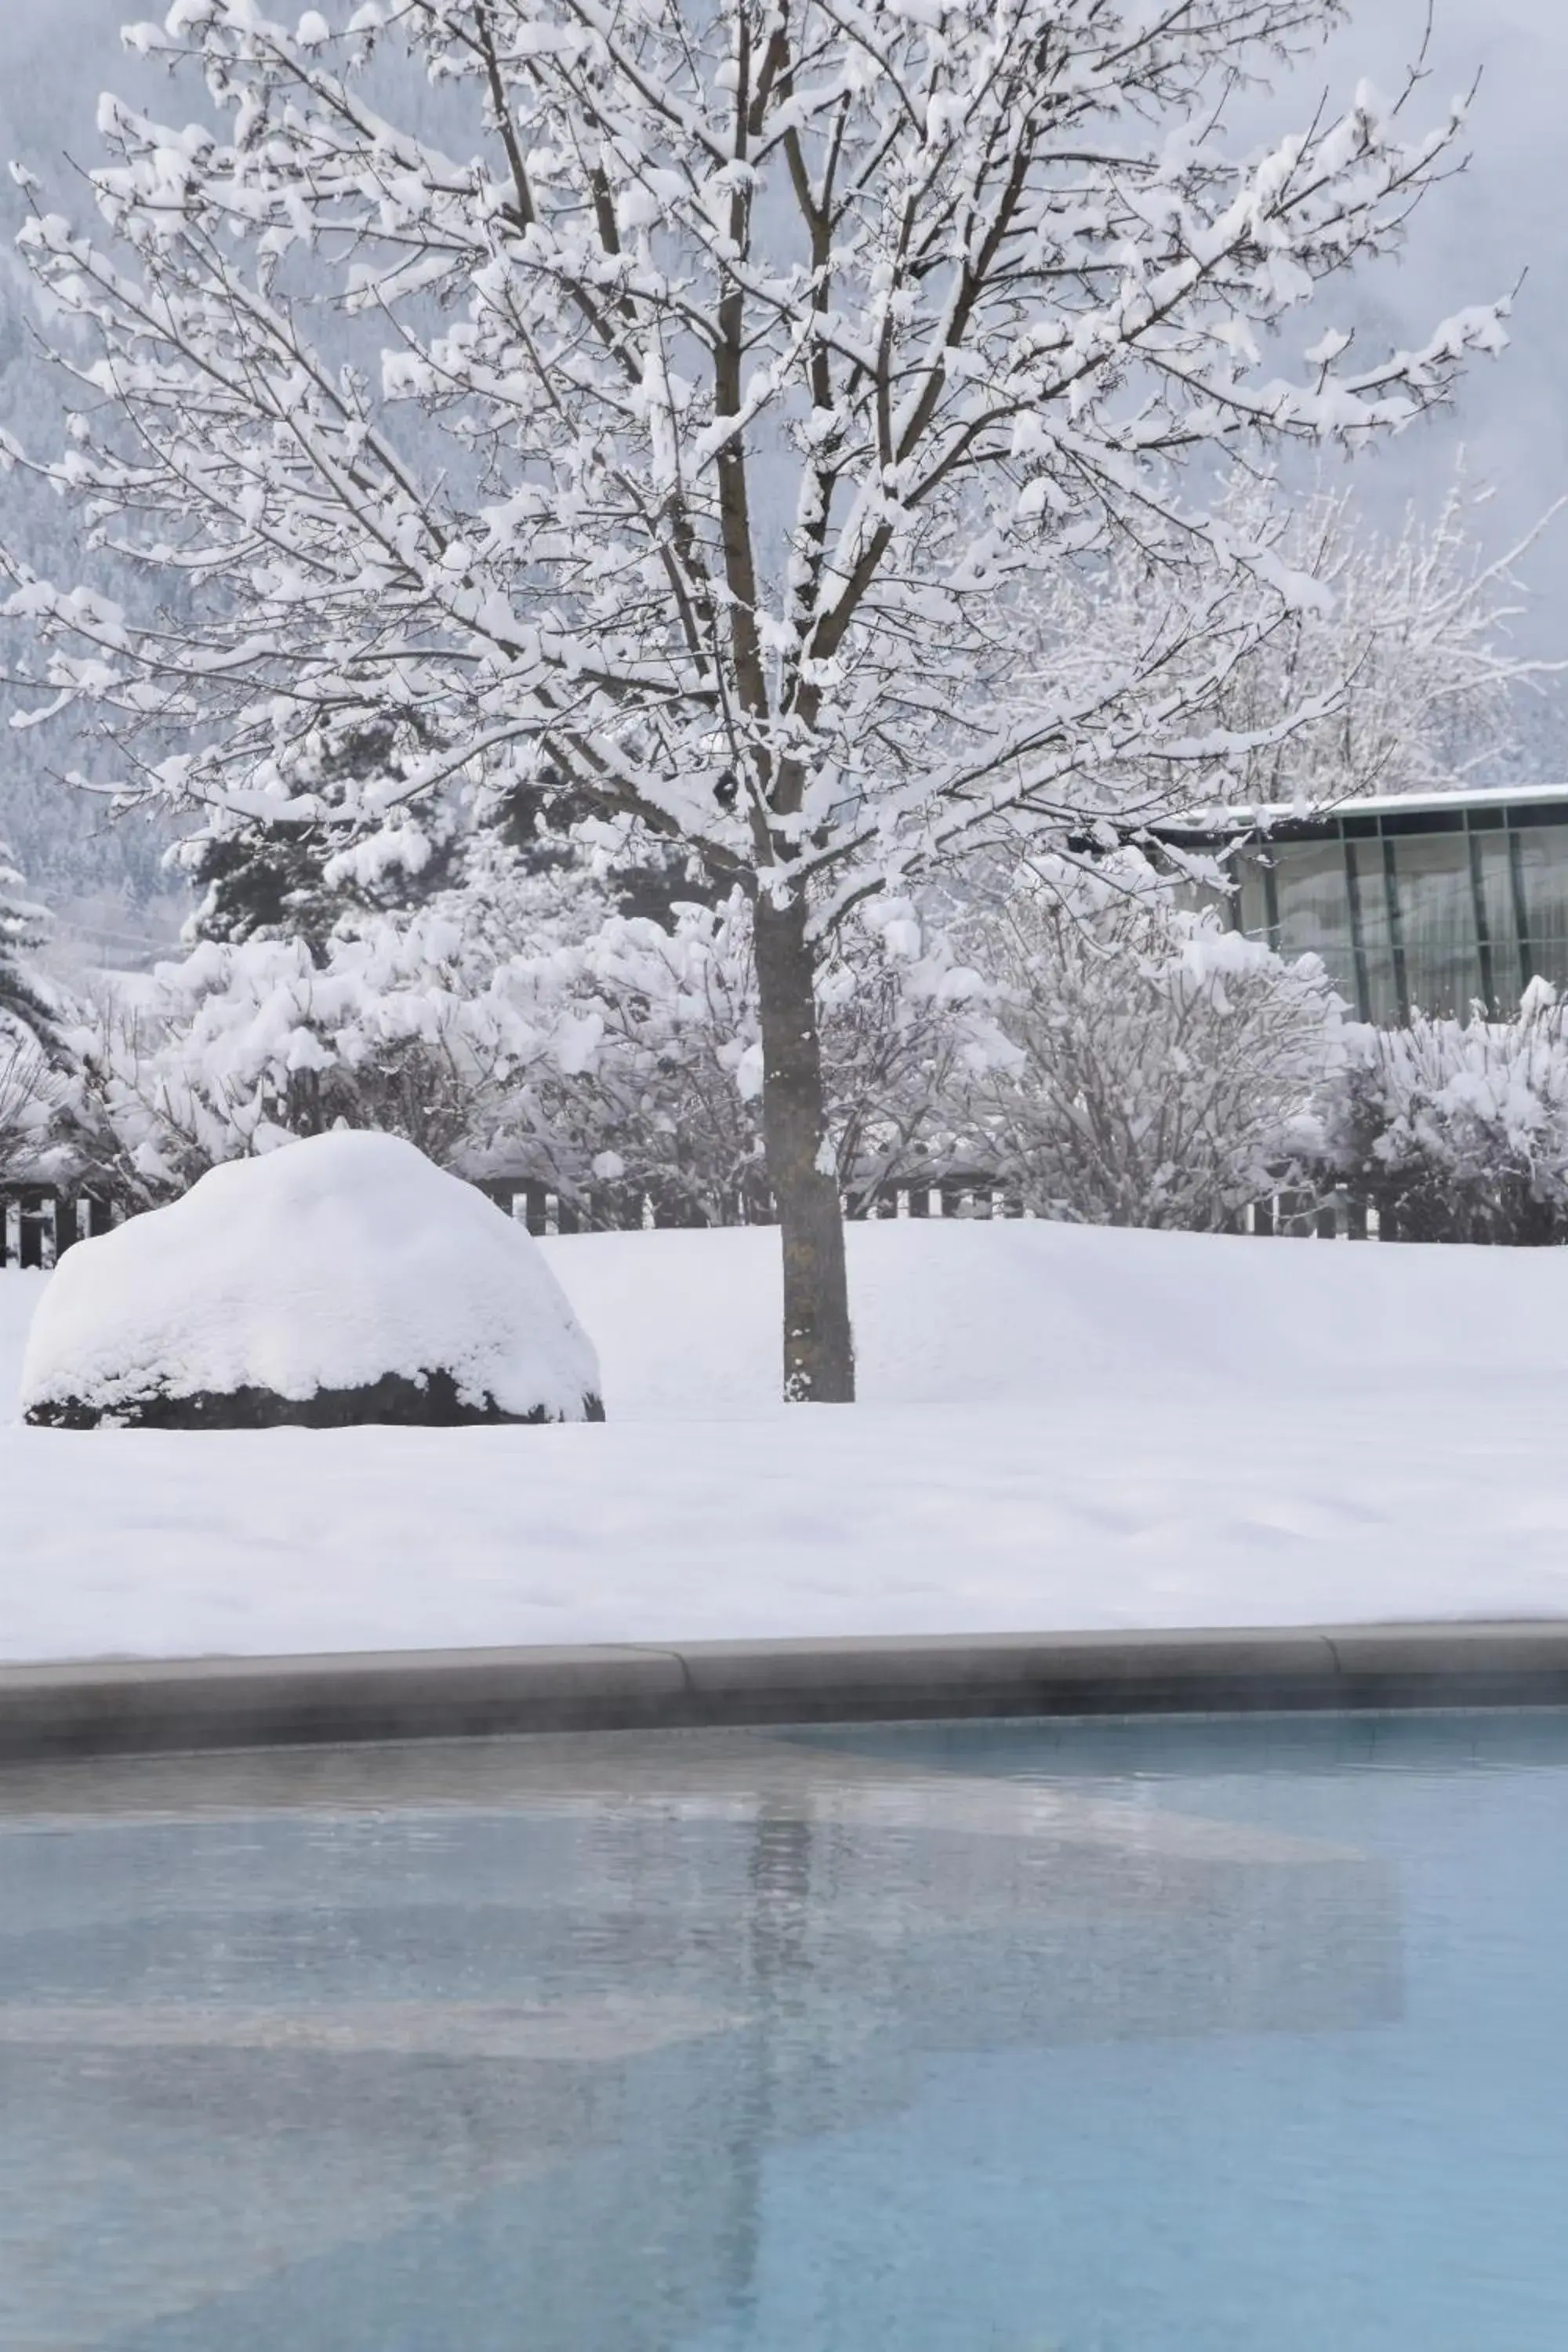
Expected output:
{"points": [[665, 1099], [1163, 1065], [1457, 1130], [652, 1085], [238, 1046], [614, 1058]]}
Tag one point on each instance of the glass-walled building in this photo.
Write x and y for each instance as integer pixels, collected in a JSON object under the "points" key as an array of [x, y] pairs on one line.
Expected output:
{"points": [[1431, 903]]}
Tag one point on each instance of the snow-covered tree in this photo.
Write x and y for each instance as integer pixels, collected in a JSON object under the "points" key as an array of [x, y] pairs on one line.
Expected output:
{"points": [[1398, 669], [28, 1001], [258, 880], [686, 412], [1164, 1069], [36, 1105], [1412, 660], [81, 863], [32, 1085]]}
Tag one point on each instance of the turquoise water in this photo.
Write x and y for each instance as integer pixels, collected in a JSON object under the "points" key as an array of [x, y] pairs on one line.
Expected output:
{"points": [[1215, 2037]]}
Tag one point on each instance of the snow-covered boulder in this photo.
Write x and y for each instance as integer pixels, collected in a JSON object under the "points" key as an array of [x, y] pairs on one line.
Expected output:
{"points": [[338, 1280]]}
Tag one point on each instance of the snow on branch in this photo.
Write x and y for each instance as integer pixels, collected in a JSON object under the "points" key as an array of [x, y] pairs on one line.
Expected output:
{"points": [[701, 412]]}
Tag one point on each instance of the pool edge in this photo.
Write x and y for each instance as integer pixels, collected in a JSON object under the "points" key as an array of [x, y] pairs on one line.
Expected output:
{"points": [[138, 1708]]}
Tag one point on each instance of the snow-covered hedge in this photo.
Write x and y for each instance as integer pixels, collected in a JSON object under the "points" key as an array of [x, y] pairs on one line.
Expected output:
{"points": [[608, 1056], [1457, 1130], [1112, 1057]]}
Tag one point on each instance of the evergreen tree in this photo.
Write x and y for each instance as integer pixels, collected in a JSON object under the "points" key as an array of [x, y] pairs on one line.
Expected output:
{"points": [[255, 877], [27, 1001], [535, 819]]}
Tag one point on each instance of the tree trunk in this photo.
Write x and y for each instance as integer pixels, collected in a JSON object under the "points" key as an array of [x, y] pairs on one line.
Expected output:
{"points": [[818, 1348]]}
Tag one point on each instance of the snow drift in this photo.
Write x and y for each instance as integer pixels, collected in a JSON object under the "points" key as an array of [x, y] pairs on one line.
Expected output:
{"points": [[338, 1280], [1062, 1426]]}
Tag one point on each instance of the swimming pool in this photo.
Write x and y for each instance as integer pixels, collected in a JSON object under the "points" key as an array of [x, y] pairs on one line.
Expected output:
{"points": [[1198, 2036]]}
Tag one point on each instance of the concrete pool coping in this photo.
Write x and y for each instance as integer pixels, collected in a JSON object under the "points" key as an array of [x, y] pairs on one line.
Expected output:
{"points": [[134, 1708]]}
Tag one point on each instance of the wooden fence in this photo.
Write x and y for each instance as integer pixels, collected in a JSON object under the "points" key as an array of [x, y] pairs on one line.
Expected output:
{"points": [[1336, 1215], [544, 1212], [38, 1222]]}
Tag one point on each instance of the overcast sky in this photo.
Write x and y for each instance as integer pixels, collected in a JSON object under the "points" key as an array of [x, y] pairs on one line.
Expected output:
{"points": [[1472, 240]]}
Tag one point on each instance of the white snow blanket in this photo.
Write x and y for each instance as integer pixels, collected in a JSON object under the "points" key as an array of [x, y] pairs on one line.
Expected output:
{"points": [[1059, 1428], [325, 1264]]}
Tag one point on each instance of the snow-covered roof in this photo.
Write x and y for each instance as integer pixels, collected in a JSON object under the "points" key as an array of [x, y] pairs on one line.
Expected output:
{"points": [[1237, 816]]}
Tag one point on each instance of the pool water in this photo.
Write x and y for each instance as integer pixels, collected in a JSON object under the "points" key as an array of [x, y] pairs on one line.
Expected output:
{"points": [[1158, 2037]]}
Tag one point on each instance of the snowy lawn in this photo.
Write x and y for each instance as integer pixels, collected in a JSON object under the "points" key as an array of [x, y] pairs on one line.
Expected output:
{"points": [[1061, 1428]]}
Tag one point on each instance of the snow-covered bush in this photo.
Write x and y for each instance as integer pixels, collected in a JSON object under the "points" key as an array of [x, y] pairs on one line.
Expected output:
{"points": [[674, 1089], [1457, 1130], [614, 1058], [240, 1045], [1164, 1066]]}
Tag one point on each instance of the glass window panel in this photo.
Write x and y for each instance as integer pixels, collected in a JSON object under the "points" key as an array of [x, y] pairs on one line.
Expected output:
{"points": [[1381, 1000], [1437, 922], [1203, 898], [1544, 863], [1314, 907], [1253, 902], [1498, 905]]}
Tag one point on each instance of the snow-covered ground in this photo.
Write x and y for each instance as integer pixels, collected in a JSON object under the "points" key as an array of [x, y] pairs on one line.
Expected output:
{"points": [[1060, 1428]]}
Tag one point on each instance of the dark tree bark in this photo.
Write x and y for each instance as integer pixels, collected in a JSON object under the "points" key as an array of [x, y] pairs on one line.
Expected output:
{"points": [[818, 1346]]}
